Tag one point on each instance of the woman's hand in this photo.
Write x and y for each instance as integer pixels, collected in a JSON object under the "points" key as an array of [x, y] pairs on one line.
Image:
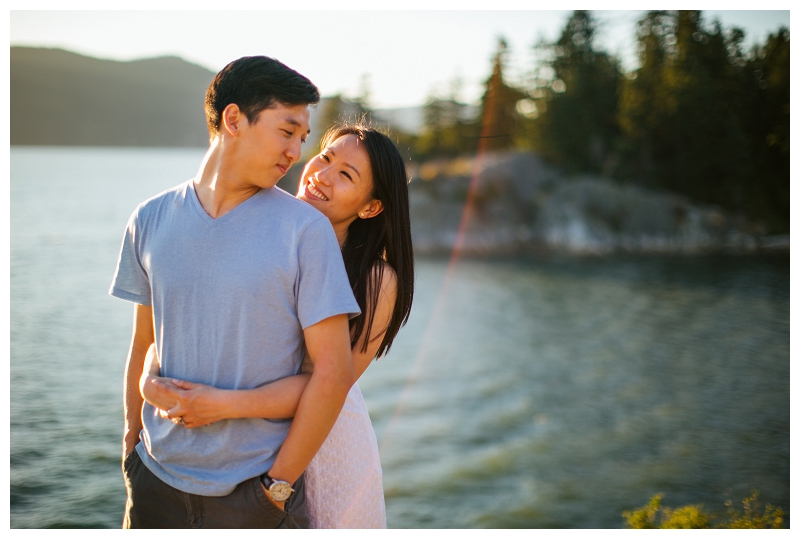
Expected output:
{"points": [[158, 391], [151, 392], [196, 405]]}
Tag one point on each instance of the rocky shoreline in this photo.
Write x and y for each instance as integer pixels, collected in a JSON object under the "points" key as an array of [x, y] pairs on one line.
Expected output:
{"points": [[519, 204]]}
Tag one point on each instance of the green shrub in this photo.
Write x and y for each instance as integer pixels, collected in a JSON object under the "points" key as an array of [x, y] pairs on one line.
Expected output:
{"points": [[772, 517], [655, 516]]}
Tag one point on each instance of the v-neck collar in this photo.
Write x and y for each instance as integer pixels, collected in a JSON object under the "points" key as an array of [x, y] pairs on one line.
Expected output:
{"points": [[223, 218]]}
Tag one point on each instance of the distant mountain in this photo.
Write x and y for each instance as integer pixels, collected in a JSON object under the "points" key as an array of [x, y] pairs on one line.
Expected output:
{"points": [[62, 98]]}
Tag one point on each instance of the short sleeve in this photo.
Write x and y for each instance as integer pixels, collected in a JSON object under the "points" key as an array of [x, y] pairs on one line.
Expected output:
{"points": [[323, 289], [131, 282]]}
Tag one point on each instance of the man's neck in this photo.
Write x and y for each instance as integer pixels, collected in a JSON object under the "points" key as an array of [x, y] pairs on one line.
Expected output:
{"points": [[219, 185]]}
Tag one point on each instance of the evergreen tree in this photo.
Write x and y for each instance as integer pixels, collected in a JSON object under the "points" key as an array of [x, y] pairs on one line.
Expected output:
{"points": [[765, 82], [695, 116], [577, 127], [706, 154], [699, 116], [643, 95], [499, 118], [447, 130]]}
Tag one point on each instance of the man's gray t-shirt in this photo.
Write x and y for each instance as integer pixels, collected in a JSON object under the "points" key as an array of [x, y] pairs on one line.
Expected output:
{"points": [[230, 297]]}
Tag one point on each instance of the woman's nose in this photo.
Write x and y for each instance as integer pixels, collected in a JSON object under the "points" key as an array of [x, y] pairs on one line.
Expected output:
{"points": [[322, 177]]}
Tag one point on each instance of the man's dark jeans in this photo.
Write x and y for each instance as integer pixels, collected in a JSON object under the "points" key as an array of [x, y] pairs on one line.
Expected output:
{"points": [[154, 504]]}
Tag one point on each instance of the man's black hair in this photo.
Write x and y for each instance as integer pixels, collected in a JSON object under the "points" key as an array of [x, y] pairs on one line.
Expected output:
{"points": [[255, 83]]}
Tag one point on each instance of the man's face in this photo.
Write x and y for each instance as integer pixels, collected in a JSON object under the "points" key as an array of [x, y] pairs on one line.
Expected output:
{"points": [[271, 144]]}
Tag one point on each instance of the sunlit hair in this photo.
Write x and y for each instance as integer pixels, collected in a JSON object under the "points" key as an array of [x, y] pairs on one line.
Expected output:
{"points": [[256, 83], [385, 238]]}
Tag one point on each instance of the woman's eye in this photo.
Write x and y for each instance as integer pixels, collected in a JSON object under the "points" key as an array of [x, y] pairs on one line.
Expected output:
{"points": [[325, 157], [346, 175], [289, 133]]}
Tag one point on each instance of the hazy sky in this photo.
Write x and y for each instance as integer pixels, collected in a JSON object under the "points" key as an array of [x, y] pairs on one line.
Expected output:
{"points": [[404, 54]]}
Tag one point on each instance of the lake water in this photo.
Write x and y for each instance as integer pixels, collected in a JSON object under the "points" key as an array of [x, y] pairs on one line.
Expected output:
{"points": [[524, 392]]}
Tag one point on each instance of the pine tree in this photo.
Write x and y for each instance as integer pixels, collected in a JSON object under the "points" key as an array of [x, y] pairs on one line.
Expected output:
{"points": [[698, 113], [447, 130], [578, 128], [499, 118], [765, 81]]}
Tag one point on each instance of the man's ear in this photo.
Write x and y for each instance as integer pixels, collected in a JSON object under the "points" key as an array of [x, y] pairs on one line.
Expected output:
{"points": [[232, 119], [375, 208]]}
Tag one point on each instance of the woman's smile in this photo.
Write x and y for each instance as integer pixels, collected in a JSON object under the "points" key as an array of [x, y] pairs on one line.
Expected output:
{"points": [[313, 191]]}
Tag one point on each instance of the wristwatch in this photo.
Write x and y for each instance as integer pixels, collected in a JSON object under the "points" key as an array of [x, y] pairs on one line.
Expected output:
{"points": [[278, 490]]}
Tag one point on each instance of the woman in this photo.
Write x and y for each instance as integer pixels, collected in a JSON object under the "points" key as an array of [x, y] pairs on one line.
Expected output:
{"points": [[359, 182]]}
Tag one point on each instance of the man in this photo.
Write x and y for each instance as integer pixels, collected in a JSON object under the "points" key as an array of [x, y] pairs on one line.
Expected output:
{"points": [[229, 277]]}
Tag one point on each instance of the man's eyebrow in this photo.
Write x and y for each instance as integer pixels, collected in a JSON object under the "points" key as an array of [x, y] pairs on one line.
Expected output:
{"points": [[330, 150], [292, 121]]}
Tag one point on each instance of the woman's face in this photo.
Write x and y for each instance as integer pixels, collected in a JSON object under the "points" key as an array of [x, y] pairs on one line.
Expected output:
{"points": [[338, 182]]}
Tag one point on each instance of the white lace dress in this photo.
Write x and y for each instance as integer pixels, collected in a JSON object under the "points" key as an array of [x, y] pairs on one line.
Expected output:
{"points": [[343, 481]]}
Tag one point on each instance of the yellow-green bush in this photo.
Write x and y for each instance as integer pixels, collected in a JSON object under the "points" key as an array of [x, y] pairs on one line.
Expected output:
{"points": [[655, 516]]}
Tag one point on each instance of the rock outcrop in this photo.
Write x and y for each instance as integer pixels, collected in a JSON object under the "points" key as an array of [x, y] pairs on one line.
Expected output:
{"points": [[518, 203]]}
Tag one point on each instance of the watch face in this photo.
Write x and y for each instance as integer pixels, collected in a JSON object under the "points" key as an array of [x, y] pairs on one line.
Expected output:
{"points": [[280, 491]]}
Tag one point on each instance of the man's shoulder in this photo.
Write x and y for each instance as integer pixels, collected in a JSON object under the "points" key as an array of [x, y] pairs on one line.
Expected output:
{"points": [[303, 212], [168, 195], [162, 199]]}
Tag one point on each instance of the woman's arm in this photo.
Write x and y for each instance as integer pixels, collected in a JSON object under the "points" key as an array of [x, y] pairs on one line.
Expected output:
{"points": [[200, 405], [152, 392]]}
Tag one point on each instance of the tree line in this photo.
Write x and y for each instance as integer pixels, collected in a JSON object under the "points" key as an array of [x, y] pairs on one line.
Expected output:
{"points": [[700, 115]]}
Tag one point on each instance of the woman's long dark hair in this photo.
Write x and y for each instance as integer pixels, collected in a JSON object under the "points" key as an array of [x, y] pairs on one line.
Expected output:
{"points": [[383, 239]]}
